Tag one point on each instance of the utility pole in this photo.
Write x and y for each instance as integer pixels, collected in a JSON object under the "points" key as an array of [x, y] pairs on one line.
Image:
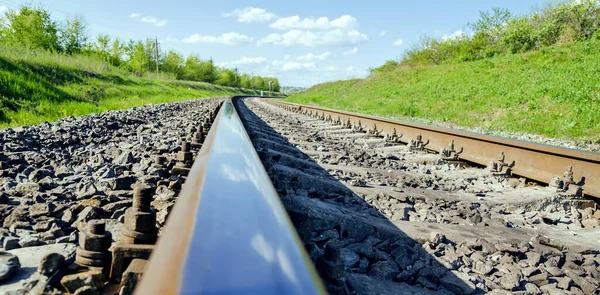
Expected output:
{"points": [[156, 47], [211, 79], [270, 91], [252, 80], [236, 77]]}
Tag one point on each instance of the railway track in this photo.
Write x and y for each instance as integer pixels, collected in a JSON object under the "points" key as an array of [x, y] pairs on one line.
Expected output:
{"points": [[275, 186]]}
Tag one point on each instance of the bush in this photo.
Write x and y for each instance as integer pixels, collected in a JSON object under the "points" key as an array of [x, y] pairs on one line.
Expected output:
{"points": [[518, 35], [499, 32]]}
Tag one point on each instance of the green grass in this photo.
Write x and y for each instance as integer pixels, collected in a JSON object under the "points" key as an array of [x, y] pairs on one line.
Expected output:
{"points": [[39, 86], [554, 92]]}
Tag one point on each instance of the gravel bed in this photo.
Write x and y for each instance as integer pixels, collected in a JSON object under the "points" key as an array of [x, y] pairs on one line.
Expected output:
{"points": [[54, 177], [405, 222]]}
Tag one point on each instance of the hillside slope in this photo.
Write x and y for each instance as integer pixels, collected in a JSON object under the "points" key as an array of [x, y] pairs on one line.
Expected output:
{"points": [[554, 92], [38, 86]]}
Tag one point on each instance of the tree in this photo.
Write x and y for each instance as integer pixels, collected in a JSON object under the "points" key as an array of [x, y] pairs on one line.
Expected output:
{"points": [[30, 27], [138, 61], [258, 83], [173, 63], [226, 77], [491, 21], [192, 68], [245, 81], [101, 46], [73, 34], [209, 71], [150, 53], [116, 53]]}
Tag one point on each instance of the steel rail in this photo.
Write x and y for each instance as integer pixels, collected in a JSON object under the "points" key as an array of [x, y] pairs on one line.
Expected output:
{"points": [[535, 161], [228, 232]]}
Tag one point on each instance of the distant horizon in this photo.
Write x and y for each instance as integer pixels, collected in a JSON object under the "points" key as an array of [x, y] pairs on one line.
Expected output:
{"points": [[301, 44]]}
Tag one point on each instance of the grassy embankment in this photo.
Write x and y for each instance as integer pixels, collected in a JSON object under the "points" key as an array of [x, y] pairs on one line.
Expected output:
{"points": [[554, 91], [39, 86]]}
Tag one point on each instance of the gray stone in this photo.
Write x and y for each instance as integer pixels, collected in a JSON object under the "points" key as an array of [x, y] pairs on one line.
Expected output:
{"points": [[41, 209], [124, 159], [539, 279], [552, 289], [363, 264], [11, 243], [88, 213], [86, 188], [68, 216], [554, 271], [28, 188], [532, 289], [19, 214], [534, 258], [363, 249], [9, 265], [587, 286], [74, 282], [43, 225], [404, 256], [483, 268], [63, 171], [30, 241], [385, 270], [114, 206], [86, 290], [510, 281], [326, 235], [436, 238], [50, 263], [39, 174], [457, 282], [349, 257], [562, 282]]}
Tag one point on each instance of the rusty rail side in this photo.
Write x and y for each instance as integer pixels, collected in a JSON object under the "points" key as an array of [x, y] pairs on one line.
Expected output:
{"points": [[228, 232], [531, 160]]}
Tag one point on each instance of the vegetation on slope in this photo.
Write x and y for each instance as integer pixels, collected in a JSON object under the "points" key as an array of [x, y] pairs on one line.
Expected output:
{"points": [[33, 28], [549, 90], [38, 86], [50, 70]]}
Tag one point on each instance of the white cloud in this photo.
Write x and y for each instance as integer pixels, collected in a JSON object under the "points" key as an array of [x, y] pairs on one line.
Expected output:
{"points": [[309, 38], [154, 21], [310, 56], [350, 69], [330, 69], [453, 36], [251, 60], [227, 39], [382, 33], [294, 66], [352, 51], [245, 61], [344, 22], [290, 66], [251, 15], [286, 57], [149, 20], [399, 42], [169, 39]]}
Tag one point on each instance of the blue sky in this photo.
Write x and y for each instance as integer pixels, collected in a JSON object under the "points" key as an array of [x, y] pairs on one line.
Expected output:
{"points": [[300, 42]]}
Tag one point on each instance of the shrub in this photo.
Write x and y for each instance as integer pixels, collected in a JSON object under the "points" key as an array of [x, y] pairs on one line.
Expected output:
{"points": [[498, 32]]}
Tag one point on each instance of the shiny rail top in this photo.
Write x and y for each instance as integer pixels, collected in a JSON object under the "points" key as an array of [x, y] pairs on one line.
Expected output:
{"points": [[228, 232]]}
